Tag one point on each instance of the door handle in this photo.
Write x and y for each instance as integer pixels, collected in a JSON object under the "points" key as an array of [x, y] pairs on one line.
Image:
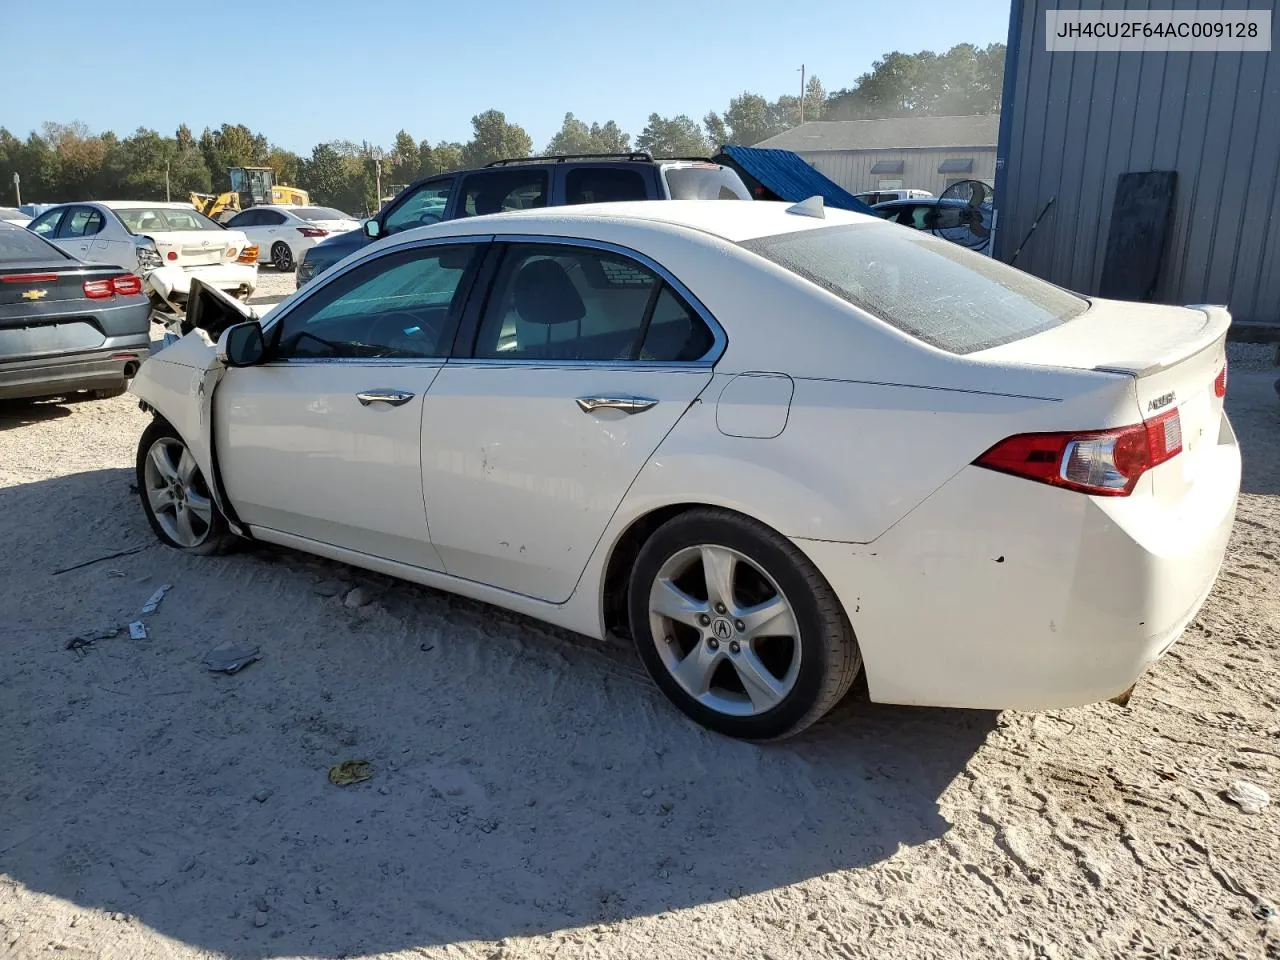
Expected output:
{"points": [[381, 395], [625, 404]]}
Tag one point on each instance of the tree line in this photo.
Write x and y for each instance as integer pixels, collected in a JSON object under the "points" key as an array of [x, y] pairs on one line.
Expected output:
{"points": [[65, 161]]}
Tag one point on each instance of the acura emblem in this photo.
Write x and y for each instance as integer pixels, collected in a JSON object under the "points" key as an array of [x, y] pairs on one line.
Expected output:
{"points": [[723, 629], [35, 294]]}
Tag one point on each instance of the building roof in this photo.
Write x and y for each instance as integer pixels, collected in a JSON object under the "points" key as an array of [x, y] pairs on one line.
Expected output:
{"points": [[788, 176], [901, 133]]}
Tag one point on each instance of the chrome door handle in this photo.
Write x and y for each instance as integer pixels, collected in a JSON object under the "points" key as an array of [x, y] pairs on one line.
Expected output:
{"points": [[392, 397], [625, 404]]}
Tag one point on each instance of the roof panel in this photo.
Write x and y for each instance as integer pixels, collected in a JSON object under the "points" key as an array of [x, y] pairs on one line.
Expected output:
{"points": [[900, 133], [787, 175]]}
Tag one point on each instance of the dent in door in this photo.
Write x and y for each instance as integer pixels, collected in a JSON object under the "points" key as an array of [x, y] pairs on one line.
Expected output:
{"points": [[755, 405]]}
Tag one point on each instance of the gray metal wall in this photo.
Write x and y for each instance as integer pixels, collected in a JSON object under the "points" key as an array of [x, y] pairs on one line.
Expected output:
{"points": [[852, 168], [1075, 121]]}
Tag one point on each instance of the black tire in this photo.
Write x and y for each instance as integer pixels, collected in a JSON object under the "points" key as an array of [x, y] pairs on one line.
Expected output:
{"points": [[829, 655], [217, 537], [282, 256], [110, 393]]}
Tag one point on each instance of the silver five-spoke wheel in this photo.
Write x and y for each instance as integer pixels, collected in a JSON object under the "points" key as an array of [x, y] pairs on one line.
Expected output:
{"points": [[177, 493], [725, 630]]}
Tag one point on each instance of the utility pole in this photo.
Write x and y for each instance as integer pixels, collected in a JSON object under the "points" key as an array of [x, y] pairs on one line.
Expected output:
{"points": [[378, 177], [17, 186], [166, 181], [802, 93]]}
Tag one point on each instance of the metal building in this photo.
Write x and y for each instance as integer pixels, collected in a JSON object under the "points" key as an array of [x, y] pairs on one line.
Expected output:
{"points": [[1073, 123], [920, 153]]}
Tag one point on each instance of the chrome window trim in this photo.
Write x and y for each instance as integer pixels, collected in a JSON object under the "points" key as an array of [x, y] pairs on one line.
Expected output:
{"points": [[720, 339]]}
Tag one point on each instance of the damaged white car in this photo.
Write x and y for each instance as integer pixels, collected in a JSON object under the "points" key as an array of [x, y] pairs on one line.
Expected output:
{"points": [[776, 446], [167, 244]]}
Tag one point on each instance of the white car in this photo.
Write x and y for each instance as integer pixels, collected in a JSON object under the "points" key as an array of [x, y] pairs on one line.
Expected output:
{"points": [[284, 233], [776, 447], [167, 244], [15, 216]]}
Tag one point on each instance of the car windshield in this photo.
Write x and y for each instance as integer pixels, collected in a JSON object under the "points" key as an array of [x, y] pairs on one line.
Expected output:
{"points": [[19, 244], [934, 290], [321, 213], [705, 182], [164, 220]]}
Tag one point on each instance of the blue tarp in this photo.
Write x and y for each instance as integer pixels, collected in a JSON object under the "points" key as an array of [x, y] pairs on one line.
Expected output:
{"points": [[787, 175]]}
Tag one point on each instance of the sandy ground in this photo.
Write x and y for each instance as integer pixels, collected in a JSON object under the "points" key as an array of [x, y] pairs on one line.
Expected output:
{"points": [[533, 796]]}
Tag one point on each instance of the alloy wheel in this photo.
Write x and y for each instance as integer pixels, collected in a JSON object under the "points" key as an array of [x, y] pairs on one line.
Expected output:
{"points": [[724, 630], [281, 258], [177, 493]]}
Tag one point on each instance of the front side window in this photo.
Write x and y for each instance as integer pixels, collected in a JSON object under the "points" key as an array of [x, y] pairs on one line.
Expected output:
{"points": [[500, 191], [602, 185], [554, 302], [148, 220], [426, 205], [46, 224], [402, 305], [927, 287]]}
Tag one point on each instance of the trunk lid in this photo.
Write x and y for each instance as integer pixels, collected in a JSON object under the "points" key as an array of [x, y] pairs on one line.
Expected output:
{"points": [[25, 284], [199, 248], [1174, 356]]}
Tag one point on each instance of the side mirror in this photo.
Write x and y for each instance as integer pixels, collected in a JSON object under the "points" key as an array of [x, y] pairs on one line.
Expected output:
{"points": [[241, 345], [372, 228]]}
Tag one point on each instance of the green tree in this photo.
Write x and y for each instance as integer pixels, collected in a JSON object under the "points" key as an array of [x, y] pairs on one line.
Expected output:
{"points": [[232, 145], [610, 138], [323, 176], [495, 139], [717, 132], [963, 81], [815, 98], [405, 158], [749, 119], [575, 136], [286, 165], [678, 136]]}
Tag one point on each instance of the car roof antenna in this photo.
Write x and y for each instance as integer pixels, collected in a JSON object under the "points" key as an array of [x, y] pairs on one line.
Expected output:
{"points": [[809, 208]]}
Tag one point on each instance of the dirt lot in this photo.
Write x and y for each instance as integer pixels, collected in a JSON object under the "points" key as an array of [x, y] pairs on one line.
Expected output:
{"points": [[533, 796]]}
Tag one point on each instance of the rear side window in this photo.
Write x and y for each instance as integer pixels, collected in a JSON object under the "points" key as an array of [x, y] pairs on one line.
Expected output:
{"points": [[934, 290], [45, 224], [704, 182], [596, 185], [484, 193], [21, 244]]}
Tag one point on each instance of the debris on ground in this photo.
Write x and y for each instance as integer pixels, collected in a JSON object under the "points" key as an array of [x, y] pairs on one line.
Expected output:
{"points": [[231, 657], [350, 771], [110, 556], [154, 600], [1249, 797], [262, 796], [358, 597], [137, 631], [84, 640], [329, 588]]}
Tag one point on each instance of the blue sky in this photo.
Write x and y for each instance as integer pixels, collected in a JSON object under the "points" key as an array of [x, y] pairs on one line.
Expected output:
{"points": [[337, 69]]}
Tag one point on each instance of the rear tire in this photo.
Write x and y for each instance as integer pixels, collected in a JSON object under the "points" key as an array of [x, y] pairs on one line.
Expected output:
{"points": [[281, 256], [737, 626], [175, 496], [110, 393]]}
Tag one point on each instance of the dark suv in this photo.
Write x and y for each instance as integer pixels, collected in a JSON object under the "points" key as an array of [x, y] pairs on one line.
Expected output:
{"points": [[527, 183]]}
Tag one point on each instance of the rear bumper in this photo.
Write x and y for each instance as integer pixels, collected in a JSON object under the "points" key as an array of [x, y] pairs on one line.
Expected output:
{"points": [[174, 283], [104, 368], [998, 593]]}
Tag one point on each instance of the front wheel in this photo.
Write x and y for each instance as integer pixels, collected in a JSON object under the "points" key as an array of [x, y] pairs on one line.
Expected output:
{"points": [[175, 495], [281, 256], [738, 627]]}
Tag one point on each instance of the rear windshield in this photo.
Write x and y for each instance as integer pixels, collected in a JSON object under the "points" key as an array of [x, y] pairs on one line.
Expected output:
{"points": [[321, 213], [708, 182], [19, 244], [934, 290], [163, 220], [12, 213]]}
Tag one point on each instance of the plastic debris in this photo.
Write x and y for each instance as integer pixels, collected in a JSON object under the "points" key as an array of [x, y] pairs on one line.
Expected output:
{"points": [[1264, 911], [82, 640], [1249, 797], [137, 631], [155, 598], [231, 657], [350, 771], [358, 597]]}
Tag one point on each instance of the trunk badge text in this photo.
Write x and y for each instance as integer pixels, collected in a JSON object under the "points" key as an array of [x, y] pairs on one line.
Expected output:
{"points": [[1162, 401]]}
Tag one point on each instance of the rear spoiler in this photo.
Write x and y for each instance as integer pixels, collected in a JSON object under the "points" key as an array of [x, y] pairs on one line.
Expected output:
{"points": [[1217, 320]]}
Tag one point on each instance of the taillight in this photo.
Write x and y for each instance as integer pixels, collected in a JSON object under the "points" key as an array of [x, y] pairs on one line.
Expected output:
{"points": [[127, 285], [1220, 382], [313, 232], [172, 255], [249, 254], [97, 289], [1104, 463]]}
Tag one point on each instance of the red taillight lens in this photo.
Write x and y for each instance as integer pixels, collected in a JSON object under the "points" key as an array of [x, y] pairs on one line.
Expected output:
{"points": [[97, 289], [171, 255], [1103, 463], [127, 285], [1220, 382], [313, 232]]}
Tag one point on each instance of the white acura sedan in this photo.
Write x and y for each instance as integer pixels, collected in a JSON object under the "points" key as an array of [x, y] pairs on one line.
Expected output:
{"points": [[773, 446]]}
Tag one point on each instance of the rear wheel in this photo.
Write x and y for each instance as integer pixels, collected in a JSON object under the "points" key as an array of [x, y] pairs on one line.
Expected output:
{"points": [[738, 627], [175, 495], [281, 256]]}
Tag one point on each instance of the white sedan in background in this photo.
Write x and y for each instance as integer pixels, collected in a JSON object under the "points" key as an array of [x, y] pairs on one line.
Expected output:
{"points": [[774, 447], [284, 233], [167, 244]]}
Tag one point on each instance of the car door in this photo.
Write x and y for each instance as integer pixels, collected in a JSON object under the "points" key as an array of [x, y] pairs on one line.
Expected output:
{"points": [[270, 228], [584, 358], [321, 441], [77, 230], [113, 243], [46, 225]]}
